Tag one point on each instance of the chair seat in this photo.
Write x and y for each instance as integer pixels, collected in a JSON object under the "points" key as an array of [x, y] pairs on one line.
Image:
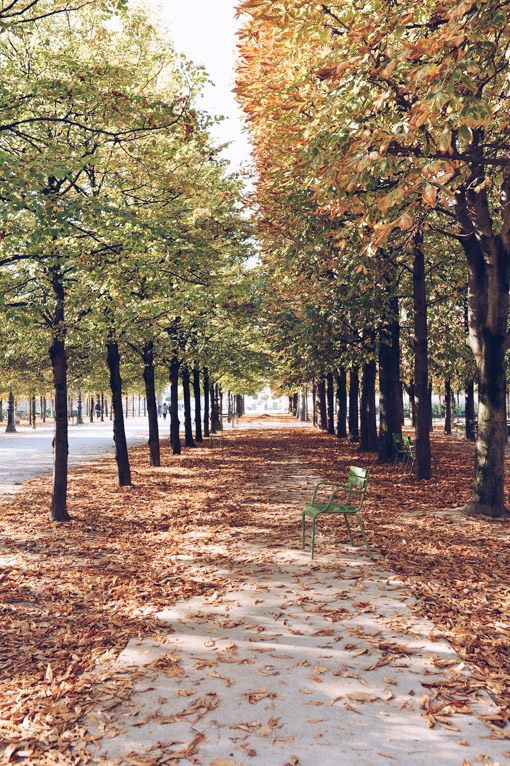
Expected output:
{"points": [[316, 508]]}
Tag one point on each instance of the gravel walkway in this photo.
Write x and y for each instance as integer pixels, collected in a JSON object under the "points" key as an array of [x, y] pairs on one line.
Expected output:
{"points": [[301, 662]]}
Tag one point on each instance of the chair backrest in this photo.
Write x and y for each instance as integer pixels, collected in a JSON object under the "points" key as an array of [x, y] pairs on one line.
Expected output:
{"points": [[408, 443], [397, 441], [358, 477]]}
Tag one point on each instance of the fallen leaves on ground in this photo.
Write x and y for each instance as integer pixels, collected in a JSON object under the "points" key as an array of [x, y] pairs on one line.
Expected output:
{"points": [[458, 568], [73, 595]]}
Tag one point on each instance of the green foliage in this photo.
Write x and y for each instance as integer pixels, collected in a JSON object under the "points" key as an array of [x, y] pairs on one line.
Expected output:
{"points": [[118, 216]]}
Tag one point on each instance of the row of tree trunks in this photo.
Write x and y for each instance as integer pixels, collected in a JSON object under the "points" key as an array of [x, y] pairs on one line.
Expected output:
{"points": [[58, 356]]}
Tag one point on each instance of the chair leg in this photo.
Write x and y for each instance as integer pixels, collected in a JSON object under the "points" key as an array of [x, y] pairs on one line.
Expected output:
{"points": [[348, 528], [313, 535], [303, 530], [364, 535]]}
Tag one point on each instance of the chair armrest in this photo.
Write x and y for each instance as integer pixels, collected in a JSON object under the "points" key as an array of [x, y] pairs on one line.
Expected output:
{"points": [[330, 484]]}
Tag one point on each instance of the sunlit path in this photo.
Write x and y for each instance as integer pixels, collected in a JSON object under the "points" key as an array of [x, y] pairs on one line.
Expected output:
{"points": [[291, 661], [179, 620]]}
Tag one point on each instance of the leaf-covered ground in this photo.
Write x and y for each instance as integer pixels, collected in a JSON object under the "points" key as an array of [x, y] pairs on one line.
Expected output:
{"points": [[73, 595]]}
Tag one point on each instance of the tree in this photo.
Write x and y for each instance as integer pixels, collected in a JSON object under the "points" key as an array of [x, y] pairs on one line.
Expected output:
{"points": [[71, 124], [410, 94]]}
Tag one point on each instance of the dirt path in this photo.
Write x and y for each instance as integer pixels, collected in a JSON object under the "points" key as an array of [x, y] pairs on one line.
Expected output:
{"points": [[290, 661]]}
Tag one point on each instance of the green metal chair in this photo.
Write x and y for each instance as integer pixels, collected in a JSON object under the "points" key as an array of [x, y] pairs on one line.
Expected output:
{"points": [[410, 453], [410, 458], [216, 434], [354, 492], [400, 453]]}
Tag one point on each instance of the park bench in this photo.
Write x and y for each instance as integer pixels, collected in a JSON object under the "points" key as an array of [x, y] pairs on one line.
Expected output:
{"points": [[216, 434], [353, 496]]}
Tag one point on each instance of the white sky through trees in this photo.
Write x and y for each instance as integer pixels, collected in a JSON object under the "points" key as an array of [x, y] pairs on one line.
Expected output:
{"points": [[204, 30]]}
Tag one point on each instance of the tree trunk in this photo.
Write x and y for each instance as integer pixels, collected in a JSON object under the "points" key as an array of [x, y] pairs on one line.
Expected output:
{"points": [[448, 406], [58, 510], [488, 258], [323, 413], [188, 430], [175, 441], [390, 392], [119, 433], [331, 404], [196, 395], [214, 408], [302, 411], [368, 421], [431, 419], [341, 404], [412, 404], [206, 402], [354, 405], [469, 412], [314, 404], [488, 497], [33, 411], [421, 364], [152, 408]]}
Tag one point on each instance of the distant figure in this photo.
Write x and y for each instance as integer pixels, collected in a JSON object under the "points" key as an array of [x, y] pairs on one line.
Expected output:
{"points": [[98, 409], [159, 410], [165, 410]]}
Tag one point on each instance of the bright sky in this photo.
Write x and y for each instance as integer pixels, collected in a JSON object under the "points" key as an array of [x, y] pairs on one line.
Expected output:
{"points": [[204, 30]]}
